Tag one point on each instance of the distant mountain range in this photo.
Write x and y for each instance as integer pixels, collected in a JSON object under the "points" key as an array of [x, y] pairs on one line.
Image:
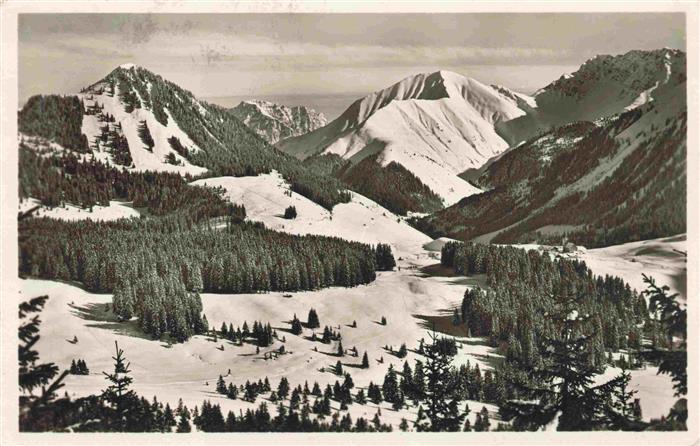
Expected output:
{"points": [[599, 154], [275, 122]]}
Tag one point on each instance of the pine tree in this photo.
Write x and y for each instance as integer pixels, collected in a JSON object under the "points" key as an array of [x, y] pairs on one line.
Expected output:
{"points": [[341, 350], [32, 375], [312, 320], [404, 425], [672, 319], [441, 410], [360, 397], [365, 361], [402, 351], [168, 418], [563, 383], [338, 368], [183, 426], [118, 394], [221, 385], [296, 326], [232, 391], [283, 388], [390, 388]]}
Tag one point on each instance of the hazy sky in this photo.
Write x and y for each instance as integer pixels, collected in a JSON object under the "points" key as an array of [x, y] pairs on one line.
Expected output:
{"points": [[276, 54]]}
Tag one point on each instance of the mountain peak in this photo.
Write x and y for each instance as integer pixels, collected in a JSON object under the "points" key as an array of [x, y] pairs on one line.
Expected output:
{"points": [[274, 122], [127, 66]]}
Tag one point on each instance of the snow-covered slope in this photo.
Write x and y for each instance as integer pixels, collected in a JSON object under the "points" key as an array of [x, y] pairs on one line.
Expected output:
{"points": [[70, 212], [109, 97], [603, 86], [274, 122], [614, 179], [265, 198], [435, 125]]}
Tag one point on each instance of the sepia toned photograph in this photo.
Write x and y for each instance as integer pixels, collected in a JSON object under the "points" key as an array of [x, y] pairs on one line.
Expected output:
{"points": [[319, 219]]}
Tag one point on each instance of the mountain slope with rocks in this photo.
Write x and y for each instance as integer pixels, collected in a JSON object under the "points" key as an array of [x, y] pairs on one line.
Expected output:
{"points": [[274, 122]]}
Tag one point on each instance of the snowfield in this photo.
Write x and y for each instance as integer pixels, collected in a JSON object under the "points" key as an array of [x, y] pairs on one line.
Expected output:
{"points": [[267, 196], [190, 370], [115, 211], [663, 259]]}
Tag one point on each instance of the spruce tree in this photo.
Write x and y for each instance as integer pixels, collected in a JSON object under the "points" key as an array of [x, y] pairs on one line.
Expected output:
{"points": [[360, 397], [341, 350], [183, 426], [283, 388], [221, 385], [312, 320], [296, 326], [338, 368], [365, 361], [33, 409], [563, 384], [390, 388], [402, 351], [442, 412], [118, 394]]}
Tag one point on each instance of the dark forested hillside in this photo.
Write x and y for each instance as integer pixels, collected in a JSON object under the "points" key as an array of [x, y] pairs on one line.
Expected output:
{"points": [[392, 186], [57, 180], [57, 118], [523, 286], [191, 241], [127, 256]]}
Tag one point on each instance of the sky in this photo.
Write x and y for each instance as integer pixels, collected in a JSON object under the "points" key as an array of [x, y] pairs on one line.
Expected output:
{"points": [[215, 55]]}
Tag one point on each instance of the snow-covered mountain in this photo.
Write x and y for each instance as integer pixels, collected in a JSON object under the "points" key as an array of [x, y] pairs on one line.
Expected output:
{"points": [[274, 122], [603, 86], [435, 125], [135, 119], [614, 174]]}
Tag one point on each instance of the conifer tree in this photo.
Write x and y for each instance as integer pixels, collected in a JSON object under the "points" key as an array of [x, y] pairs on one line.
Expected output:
{"points": [[32, 375], [402, 351], [296, 326], [183, 426], [283, 388], [563, 384], [312, 320], [341, 350], [390, 388], [221, 385], [338, 368], [441, 411], [118, 394], [365, 361], [360, 397]]}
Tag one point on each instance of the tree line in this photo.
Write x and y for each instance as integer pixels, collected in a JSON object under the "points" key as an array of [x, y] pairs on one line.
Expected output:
{"points": [[57, 180]]}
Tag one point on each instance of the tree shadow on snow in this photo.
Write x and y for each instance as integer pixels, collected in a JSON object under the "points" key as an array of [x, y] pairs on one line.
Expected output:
{"points": [[107, 320]]}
